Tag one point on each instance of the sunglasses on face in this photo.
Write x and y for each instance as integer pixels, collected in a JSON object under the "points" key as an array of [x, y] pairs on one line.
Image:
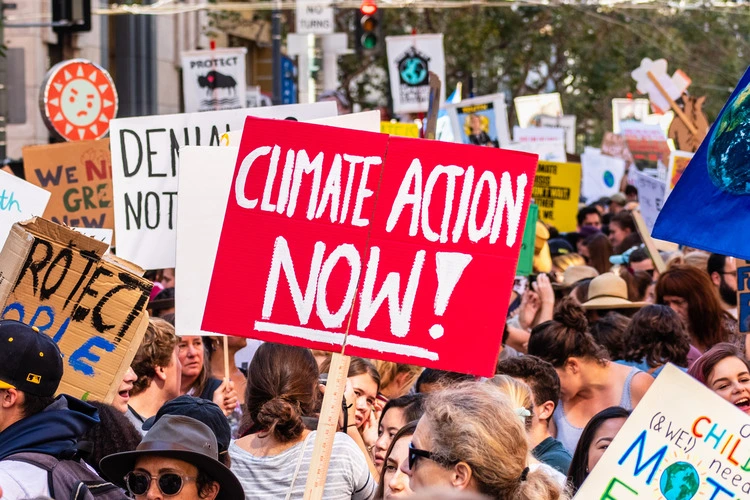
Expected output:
{"points": [[169, 483], [415, 453]]}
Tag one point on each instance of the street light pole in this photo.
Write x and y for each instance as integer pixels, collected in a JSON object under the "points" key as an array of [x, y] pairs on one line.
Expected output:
{"points": [[276, 48]]}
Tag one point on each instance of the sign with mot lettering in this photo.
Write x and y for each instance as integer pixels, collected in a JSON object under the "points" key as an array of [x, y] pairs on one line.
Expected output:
{"points": [[314, 17], [425, 236], [145, 159]]}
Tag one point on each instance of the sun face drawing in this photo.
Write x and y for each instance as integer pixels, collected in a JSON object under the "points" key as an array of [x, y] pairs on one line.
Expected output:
{"points": [[78, 99]]}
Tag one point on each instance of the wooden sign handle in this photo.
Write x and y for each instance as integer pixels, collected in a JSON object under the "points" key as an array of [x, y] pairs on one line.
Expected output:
{"points": [[328, 423], [673, 104], [640, 225]]}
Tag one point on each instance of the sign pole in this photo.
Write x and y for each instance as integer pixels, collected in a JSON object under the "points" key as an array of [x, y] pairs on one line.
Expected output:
{"points": [[640, 225]]}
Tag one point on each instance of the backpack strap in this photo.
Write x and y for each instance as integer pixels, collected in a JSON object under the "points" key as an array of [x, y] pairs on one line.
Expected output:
{"points": [[45, 462]]}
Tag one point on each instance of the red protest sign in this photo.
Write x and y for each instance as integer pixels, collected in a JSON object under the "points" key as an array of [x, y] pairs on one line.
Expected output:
{"points": [[409, 245]]}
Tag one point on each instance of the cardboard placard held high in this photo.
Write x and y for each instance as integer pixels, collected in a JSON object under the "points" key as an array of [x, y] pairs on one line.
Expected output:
{"points": [[91, 303]]}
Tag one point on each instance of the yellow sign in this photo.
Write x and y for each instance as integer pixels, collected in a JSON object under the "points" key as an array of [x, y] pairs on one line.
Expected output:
{"points": [[400, 129], [557, 187]]}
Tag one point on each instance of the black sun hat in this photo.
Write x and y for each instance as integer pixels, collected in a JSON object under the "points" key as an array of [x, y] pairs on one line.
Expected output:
{"points": [[182, 438]]}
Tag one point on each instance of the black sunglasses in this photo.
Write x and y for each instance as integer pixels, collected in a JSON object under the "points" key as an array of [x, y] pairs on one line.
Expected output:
{"points": [[415, 453], [170, 483]]}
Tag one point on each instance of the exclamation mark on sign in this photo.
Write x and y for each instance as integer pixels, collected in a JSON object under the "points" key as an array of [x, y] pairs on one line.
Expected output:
{"points": [[449, 266]]}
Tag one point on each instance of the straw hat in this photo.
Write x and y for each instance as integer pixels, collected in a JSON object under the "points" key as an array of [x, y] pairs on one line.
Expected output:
{"points": [[609, 291], [574, 274]]}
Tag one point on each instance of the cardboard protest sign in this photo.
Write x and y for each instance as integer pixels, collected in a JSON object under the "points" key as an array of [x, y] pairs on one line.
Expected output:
{"points": [[557, 188], [400, 129], [410, 60], [213, 80], [553, 151], [678, 162], [646, 143], [78, 176], [101, 234], [709, 204], [379, 218], [482, 121], [743, 295], [650, 197], [19, 200], [652, 78], [526, 256], [568, 124], [145, 159], [601, 174], [201, 215], [682, 441], [615, 145], [538, 134], [531, 108], [92, 305], [629, 110]]}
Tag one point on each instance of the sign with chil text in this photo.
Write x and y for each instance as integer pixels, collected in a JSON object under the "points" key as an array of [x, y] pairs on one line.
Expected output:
{"points": [[213, 80], [406, 246], [78, 99], [314, 17], [410, 60]]}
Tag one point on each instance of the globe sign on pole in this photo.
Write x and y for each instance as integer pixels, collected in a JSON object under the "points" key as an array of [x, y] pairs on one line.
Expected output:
{"points": [[78, 99]]}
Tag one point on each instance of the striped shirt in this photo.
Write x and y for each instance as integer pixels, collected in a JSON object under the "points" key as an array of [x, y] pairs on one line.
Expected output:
{"points": [[271, 477]]}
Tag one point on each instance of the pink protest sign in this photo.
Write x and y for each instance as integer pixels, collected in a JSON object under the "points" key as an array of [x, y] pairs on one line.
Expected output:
{"points": [[403, 248]]}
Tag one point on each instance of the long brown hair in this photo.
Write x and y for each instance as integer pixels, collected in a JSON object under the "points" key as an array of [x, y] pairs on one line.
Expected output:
{"points": [[281, 389], [705, 314], [600, 250], [565, 336], [405, 431]]}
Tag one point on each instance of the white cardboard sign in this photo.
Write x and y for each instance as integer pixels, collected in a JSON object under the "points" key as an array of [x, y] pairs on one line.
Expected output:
{"points": [[553, 151], [145, 160], [410, 59], [200, 216], [650, 196], [568, 124], [19, 200], [682, 442], [601, 174], [531, 108], [213, 80]]}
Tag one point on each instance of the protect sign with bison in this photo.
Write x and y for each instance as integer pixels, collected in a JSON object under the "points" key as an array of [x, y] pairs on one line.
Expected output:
{"points": [[214, 79]]}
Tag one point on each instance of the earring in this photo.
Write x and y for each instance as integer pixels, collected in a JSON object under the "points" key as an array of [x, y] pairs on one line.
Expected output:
{"points": [[587, 470]]}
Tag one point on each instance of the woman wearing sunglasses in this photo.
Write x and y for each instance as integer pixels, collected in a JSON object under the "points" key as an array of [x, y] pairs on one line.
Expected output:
{"points": [[470, 438], [178, 459]]}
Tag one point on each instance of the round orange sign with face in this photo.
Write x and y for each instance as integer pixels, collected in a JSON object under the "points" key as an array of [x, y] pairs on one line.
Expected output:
{"points": [[78, 99]]}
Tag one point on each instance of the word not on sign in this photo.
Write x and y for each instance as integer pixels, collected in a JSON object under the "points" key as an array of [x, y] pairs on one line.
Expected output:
{"points": [[92, 305], [425, 235]]}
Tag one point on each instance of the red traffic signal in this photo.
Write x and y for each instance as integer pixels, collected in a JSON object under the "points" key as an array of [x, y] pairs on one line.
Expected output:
{"points": [[368, 7]]}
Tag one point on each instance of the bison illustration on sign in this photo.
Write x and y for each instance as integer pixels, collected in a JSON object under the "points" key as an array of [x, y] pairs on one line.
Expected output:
{"points": [[215, 80]]}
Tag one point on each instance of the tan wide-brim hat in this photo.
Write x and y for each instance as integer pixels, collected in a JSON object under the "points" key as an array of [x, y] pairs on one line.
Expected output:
{"points": [[609, 291], [574, 274]]}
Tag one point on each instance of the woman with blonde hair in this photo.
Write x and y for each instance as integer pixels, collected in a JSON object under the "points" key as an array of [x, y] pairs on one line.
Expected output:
{"points": [[396, 379], [471, 438]]}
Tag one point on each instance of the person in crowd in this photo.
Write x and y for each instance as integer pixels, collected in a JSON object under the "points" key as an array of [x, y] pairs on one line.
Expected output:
{"points": [[616, 204], [393, 482], [607, 293], [521, 398], [580, 291], [723, 273], [396, 414], [560, 263], [216, 359], [123, 392], [166, 277], [396, 379], [196, 375], [631, 194], [565, 281], [589, 381], [273, 458], [32, 420], [724, 370], [595, 439], [655, 337], [638, 283], [204, 411], [690, 293], [545, 391], [609, 332], [640, 260], [622, 232], [432, 380], [597, 250], [470, 438], [114, 433], [162, 304], [157, 366], [178, 456], [589, 216]]}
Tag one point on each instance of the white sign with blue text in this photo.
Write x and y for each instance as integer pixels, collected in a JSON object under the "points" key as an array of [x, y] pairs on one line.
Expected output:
{"points": [[19, 200]]}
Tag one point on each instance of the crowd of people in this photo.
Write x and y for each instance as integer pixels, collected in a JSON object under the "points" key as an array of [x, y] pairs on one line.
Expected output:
{"points": [[582, 344]]}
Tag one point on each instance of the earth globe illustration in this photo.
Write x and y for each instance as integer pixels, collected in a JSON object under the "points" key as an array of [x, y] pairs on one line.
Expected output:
{"points": [[728, 154], [679, 481]]}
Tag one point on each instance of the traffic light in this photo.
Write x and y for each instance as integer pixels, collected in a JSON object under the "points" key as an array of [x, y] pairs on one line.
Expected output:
{"points": [[368, 28]]}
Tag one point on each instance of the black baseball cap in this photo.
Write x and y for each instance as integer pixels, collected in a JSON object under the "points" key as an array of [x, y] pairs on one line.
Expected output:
{"points": [[29, 360], [200, 409]]}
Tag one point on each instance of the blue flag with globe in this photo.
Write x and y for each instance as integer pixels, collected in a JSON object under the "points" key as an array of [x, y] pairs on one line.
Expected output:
{"points": [[710, 204]]}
